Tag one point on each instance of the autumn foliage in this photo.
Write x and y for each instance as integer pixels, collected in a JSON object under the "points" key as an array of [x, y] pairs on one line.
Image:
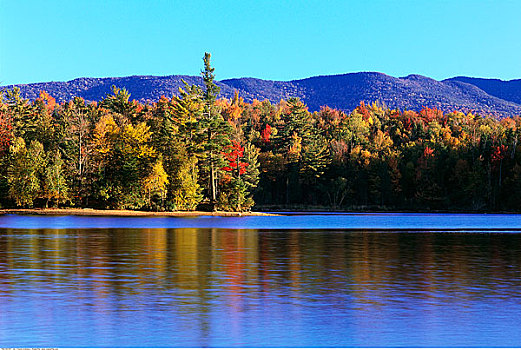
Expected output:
{"points": [[233, 155], [181, 151], [6, 135]]}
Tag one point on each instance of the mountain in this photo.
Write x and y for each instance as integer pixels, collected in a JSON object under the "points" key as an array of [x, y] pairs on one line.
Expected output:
{"points": [[345, 91], [509, 90]]}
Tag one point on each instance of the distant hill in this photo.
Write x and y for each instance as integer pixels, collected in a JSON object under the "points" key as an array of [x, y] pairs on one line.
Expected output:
{"points": [[509, 90], [485, 96]]}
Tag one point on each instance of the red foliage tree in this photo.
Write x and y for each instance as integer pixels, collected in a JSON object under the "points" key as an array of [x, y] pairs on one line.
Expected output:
{"points": [[5, 135], [498, 154], [363, 110], [428, 152], [266, 133], [233, 154], [430, 114]]}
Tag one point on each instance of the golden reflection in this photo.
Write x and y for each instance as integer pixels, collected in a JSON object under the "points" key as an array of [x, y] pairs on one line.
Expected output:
{"points": [[156, 250], [199, 276], [371, 266], [365, 266], [5, 259], [186, 257], [337, 261], [56, 253], [251, 251]]}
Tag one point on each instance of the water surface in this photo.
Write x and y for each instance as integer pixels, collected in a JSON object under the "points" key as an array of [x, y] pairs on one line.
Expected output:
{"points": [[293, 221], [260, 287]]}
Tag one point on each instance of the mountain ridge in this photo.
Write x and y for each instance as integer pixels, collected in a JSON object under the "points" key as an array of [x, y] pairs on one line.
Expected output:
{"points": [[341, 91], [509, 90]]}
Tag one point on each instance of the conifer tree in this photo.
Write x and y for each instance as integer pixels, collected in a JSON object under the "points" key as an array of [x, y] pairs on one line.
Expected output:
{"points": [[188, 112], [179, 139], [119, 103], [22, 114], [215, 128]]}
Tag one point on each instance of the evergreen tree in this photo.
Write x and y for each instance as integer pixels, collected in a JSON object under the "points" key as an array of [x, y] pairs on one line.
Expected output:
{"points": [[119, 104], [215, 130], [179, 140], [188, 111], [21, 113]]}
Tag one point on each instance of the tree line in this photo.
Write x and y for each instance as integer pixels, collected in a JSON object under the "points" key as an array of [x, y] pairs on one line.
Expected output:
{"points": [[196, 151]]}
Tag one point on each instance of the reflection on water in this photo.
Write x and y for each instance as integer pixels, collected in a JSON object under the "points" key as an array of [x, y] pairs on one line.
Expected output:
{"points": [[226, 288]]}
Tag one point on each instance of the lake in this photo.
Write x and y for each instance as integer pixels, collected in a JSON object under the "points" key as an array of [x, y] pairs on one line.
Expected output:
{"points": [[339, 280]]}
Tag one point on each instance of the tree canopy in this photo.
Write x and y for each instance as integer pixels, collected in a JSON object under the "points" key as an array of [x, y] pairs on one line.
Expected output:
{"points": [[196, 150]]}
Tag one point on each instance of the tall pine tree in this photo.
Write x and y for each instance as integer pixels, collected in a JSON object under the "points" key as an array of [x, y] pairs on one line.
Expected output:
{"points": [[215, 129]]}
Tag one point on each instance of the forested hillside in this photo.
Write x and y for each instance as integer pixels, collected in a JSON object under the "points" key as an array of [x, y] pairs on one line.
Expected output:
{"points": [[197, 150], [343, 92], [509, 90]]}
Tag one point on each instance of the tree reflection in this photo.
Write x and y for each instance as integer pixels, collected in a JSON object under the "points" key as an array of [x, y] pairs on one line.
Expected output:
{"points": [[233, 280]]}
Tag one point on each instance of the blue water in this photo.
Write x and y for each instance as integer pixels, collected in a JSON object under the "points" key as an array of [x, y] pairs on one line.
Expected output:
{"points": [[398, 221], [413, 280]]}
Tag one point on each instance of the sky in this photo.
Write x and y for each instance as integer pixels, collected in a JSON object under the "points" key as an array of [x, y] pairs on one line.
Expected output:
{"points": [[276, 40]]}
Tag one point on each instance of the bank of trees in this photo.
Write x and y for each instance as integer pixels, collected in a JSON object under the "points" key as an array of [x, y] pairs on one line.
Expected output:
{"points": [[194, 150]]}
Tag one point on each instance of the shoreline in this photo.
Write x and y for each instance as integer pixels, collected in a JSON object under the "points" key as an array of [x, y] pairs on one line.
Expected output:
{"points": [[196, 213], [115, 212]]}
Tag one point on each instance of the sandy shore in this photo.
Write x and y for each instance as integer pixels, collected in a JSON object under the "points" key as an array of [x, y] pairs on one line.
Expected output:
{"points": [[97, 212]]}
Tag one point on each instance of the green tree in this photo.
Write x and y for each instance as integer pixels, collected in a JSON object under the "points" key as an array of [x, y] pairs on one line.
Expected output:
{"points": [[123, 109], [215, 130], [186, 191], [178, 137], [188, 111], [55, 185], [78, 120], [315, 157], [22, 114], [23, 171]]}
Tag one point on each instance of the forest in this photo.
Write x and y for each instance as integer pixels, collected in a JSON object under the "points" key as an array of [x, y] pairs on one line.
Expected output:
{"points": [[195, 151]]}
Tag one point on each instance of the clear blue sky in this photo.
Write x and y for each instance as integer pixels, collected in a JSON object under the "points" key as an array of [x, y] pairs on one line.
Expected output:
{"points": [[278, 40]]}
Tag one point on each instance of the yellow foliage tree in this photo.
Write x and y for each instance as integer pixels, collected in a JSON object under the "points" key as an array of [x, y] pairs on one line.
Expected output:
{"points": [[155, 183]]}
